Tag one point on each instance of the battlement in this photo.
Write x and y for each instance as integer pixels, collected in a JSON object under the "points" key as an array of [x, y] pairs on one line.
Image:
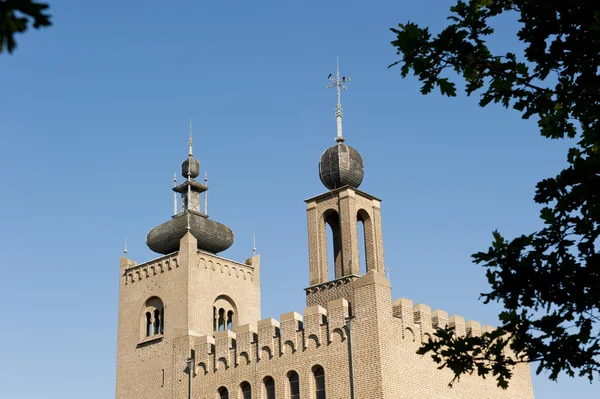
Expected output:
{"points": [[134, 272], [318, 327], [420, 322]]}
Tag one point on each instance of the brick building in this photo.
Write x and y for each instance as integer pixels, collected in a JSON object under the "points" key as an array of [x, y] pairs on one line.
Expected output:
{"points": [[190, 322]]}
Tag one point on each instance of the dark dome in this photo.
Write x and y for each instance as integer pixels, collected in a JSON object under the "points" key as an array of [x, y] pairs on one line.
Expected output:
{"points": [[212, 236], [192, 165], [341, 165]]}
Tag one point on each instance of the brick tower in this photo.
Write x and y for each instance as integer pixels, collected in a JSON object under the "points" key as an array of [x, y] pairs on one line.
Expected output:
{"points": [[189, 291]]}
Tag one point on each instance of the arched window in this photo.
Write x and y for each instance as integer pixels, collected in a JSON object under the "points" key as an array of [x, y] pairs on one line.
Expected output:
{"points": [[223, 393], [154, 317], [230, 320], [221, 319], [224, 314], [269, 388], [246, 390], [214, 318], [157, 321], [149, 329], [294, 385], [334, 246], [319, 382], [366, 243]]}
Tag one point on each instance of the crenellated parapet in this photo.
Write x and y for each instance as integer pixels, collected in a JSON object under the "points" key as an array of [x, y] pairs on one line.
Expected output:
{"points": [[419, 322], [271, 339]]}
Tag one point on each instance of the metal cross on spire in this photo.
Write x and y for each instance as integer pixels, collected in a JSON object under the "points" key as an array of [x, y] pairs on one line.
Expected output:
{"points": [[338, 84]]}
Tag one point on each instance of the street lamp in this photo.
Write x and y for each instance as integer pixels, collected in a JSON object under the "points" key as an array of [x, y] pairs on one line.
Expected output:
{"points": [[190, 363], [350, 358]]}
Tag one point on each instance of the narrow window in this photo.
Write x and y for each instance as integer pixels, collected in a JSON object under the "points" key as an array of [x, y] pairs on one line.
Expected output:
{"points": [[319, 376], [221, 319], [362, 253], [148, 324], [246, 390], [229, 320], [156, 321], [162, 320], [162, 383], [269, 388], [223, 393], [214, 318], [294, 385], [334, 247]]}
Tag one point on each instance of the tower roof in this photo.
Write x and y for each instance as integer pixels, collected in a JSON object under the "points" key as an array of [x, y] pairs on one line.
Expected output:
{"points": [[340, 165], [211, 236]]}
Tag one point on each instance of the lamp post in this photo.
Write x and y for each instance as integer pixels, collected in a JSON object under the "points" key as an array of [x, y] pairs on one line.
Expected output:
{"points": [[350, 358], [190, 363]]}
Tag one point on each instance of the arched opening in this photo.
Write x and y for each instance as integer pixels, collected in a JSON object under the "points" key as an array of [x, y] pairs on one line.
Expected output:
{"points": [[153, 319], [366, 243], [362, 259], [230, 320], [149, 329], [214, 318], [221, 319], [223, 393], [268, 388], [157, 321], [294, 385], [245, 390], [224, 313], [334, 245], [319, 382]]}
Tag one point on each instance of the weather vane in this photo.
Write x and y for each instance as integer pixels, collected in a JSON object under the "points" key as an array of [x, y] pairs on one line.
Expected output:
{"points": [[338, 84]]}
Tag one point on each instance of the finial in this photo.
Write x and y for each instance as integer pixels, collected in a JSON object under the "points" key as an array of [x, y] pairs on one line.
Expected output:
{"points": [[191, 154], [338, 84], [174, 194], [125, 250], [254, 244], [206, 193]]}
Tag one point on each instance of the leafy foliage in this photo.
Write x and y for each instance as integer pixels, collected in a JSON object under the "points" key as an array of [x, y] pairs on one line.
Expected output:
{"points": [[548, 281], [14, 18]]}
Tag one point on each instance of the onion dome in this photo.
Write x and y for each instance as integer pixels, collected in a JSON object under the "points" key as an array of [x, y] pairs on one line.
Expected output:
{"points": [[191, 166], [210, 235], [341, 165]]}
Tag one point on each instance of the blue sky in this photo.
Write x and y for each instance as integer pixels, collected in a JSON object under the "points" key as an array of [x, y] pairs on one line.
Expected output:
{"points": [[94, 121]]}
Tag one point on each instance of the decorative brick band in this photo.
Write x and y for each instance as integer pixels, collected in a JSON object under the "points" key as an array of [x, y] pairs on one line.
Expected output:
{"points": [[231, 268], [331, 284], [151, 268]]}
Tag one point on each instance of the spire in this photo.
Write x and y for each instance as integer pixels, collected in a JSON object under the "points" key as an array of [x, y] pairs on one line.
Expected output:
{"points": [[254, 244], [191, 153], [206, 193], [125, 250], [338, 84], [174, 194]]}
